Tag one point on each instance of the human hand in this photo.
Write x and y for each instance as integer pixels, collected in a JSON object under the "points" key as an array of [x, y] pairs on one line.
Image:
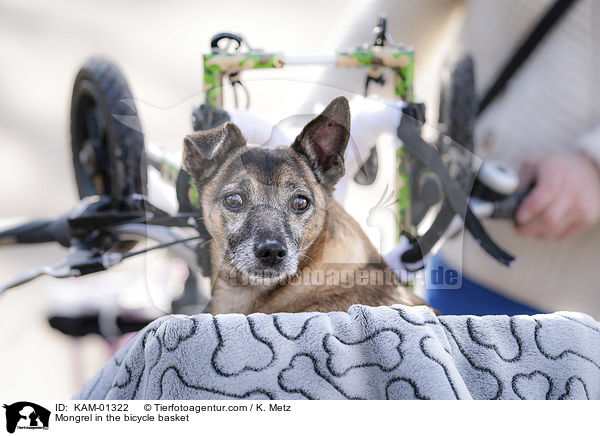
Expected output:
{"points": [[565, 198]]}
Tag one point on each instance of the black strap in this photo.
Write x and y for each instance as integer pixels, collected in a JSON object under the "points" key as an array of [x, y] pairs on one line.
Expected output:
{"points": [[551, 17], [409, 133]]}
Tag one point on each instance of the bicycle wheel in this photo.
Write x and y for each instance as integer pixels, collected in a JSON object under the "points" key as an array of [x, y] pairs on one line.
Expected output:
{"points": [[457, 114], [107, 142]]}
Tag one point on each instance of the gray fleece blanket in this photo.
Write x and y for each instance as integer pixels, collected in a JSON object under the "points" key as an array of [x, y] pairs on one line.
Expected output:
{"points": [[393, 352]]}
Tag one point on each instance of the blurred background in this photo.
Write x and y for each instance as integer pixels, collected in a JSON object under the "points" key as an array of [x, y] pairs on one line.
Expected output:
{"points": [[158, 45]]}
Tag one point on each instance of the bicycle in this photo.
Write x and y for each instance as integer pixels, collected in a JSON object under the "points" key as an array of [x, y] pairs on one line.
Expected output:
{"points": [[111, 162]]}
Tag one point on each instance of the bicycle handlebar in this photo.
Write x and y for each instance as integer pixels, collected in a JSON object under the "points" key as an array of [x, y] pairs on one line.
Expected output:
{"points": [[37, 231]]}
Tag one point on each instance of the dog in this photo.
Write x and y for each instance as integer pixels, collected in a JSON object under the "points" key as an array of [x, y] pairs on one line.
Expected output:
{"points": [[280, 242]]}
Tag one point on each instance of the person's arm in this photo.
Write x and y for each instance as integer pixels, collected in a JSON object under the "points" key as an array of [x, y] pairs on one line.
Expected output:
{"points": [[566, 195]]}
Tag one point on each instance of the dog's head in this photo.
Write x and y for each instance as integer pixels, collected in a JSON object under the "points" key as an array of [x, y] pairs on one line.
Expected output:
{"points": [[265, 207]]}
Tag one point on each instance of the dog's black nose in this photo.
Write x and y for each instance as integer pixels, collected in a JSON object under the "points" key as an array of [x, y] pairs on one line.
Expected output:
{"points": [[270, 251]]}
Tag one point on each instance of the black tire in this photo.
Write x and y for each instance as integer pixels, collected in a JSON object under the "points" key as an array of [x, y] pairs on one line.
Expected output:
{"points": [[107, 142], [457, 115], [458, 104]]}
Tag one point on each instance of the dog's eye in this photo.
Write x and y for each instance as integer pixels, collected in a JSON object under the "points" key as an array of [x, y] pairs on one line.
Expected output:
{"points": [[300, 203], [233, 201]]}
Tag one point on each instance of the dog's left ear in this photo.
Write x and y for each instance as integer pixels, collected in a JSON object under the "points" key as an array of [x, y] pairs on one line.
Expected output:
{"points": [[204, 152], [324, 140]]}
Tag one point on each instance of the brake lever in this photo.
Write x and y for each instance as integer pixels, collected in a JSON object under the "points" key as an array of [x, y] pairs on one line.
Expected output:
{"points": [[59, 270], [78, 263], [507, 208], [83, 261]]}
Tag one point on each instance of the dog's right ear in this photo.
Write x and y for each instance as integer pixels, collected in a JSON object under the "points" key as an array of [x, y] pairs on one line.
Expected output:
{"points": [[204, 152], [323, 141]]}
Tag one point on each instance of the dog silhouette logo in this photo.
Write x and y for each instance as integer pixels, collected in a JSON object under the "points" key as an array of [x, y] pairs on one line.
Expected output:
{"points": [[26, 415]]}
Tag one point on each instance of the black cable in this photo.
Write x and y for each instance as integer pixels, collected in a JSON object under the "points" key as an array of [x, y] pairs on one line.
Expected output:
{"points": [[100, 263], [247, 95], [163, 245], [167, 221], [235, 96]]}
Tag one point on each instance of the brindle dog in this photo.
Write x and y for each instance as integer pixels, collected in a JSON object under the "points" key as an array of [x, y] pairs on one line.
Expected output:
{"points": [[281, 243]]}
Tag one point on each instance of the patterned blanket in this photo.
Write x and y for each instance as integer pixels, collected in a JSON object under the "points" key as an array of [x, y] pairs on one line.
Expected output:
{"points": [[395, 352]]}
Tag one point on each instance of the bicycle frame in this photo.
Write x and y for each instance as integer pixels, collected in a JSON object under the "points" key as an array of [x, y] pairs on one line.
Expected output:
{"points": [[400, 60], [414, 158]]}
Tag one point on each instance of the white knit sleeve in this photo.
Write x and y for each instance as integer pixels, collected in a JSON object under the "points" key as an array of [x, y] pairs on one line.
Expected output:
{"points": [[589, 144]]}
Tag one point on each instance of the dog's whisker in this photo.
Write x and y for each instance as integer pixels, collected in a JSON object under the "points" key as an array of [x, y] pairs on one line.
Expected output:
{"points": [[223, 263], [308, 257], [307, 263], [203, 243], [229, 275]]}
